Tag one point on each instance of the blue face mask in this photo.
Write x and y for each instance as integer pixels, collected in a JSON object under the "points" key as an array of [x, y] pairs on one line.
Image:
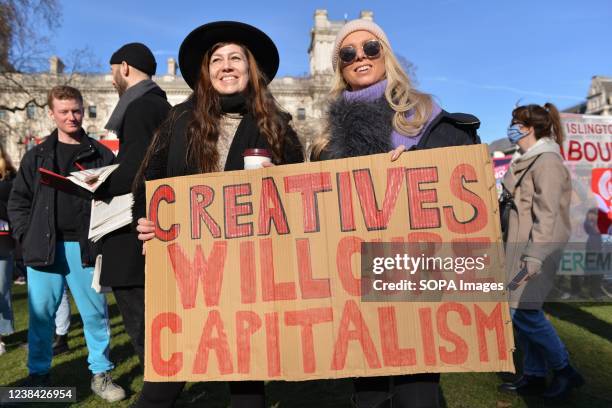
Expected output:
{"points": [[514, 134]]}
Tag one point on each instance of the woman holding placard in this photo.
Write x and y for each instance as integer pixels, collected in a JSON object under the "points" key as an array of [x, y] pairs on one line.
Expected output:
{"points": [[7, 245], [229, 120], [375, 109]]}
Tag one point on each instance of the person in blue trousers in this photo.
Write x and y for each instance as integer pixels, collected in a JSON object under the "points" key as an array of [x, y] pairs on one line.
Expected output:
{"points": [[62, 325], [538, 228], [52, 227], [7, 245]]}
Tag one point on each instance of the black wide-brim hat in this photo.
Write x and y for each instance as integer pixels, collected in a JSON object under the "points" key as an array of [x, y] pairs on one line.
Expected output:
{"points": [[200, 40]]}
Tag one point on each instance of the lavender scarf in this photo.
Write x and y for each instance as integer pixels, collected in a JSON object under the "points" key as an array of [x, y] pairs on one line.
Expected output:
{"points": [[376, 91]]}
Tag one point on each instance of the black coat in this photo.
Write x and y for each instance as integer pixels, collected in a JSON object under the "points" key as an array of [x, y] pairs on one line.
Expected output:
{"points": [[169, 159], [177, 132], [365, 128], [31, 206], [123, 262], [450, 129]]}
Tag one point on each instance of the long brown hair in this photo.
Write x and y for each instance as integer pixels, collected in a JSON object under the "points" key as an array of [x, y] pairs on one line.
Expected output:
{"points": [[6, 165], [203, 130], [545, 120]]}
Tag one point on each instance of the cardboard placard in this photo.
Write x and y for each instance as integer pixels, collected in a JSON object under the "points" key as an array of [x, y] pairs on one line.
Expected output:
{"points": [[255, 274]]}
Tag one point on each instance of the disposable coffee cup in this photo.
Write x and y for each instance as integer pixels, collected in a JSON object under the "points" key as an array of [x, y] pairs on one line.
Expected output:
{"points": [[255, 158]]}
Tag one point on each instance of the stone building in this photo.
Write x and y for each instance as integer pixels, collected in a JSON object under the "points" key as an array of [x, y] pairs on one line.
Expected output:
{"points": [[304, 97], [599, 98]]}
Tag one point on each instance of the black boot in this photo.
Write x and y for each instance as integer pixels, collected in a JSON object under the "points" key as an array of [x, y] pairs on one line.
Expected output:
{"points": [[371, 400], [563, 381], [525, 385], [60, 344], [36, 380]]}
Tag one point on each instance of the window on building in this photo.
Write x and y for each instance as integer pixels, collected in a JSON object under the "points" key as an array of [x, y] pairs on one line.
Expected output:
{"points": [[301, 113], [92, 112], [31, 111]]}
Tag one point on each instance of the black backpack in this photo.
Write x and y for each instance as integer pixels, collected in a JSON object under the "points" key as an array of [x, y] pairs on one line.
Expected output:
{"points": [[506, 203]]}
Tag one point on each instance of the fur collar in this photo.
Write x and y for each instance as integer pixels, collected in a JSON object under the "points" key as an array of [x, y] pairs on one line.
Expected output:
{"points": [[359, 128]]}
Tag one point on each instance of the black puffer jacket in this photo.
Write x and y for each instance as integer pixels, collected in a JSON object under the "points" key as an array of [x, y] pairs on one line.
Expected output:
{"points": [[31, 206]]}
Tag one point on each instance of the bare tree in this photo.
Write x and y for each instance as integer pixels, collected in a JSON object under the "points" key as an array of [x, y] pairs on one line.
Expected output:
{"points": [[23, 89], [23, 99], [25, 26]]}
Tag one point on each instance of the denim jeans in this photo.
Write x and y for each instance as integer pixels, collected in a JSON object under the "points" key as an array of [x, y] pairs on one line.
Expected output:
{"points": [[6, 308], [542, 348], [62, 316]]}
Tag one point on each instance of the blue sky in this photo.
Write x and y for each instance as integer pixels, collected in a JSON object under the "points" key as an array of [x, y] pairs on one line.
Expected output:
{"points": [[474, 56]]}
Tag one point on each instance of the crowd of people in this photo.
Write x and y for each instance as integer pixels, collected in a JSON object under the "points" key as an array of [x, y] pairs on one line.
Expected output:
{"points": [[373, 108]]}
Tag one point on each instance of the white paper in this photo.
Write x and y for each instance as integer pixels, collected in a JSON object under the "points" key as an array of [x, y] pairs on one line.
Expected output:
{"points": [[101, 173], [95, 282], [110, 215]]}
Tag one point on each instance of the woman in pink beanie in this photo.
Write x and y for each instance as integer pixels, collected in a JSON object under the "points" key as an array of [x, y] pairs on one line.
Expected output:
{"points": [[375, 109]]}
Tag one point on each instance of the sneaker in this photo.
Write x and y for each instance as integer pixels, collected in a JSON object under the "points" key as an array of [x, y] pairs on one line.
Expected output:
{"points": [[20, 281], [36, 380], [565, 296], [2, 348], [103, 386], [60, 345], [606, 288]]}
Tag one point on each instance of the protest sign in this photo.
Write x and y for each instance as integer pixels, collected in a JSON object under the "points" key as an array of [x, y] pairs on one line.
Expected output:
{"points": [[587, 151], [500, 166], [255, 275]]}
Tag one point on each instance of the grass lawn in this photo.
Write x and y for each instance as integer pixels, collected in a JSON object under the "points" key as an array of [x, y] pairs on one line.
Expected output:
{"points": [[586, 329]]}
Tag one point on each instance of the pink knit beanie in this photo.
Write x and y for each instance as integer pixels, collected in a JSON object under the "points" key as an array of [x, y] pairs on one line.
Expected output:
{"points": [[351, 27]]}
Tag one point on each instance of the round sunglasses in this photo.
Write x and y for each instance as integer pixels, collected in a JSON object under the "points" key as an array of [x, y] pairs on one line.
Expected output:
{"points": [[371, 49]]}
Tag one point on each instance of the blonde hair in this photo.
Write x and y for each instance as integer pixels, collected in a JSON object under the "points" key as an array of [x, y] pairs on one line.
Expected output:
{"points": [[6, 165], [400, 96]]}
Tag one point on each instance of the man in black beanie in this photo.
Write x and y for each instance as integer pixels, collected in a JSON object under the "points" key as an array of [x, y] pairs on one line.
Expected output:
{"points": [[137, 57], [141, 109]]}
